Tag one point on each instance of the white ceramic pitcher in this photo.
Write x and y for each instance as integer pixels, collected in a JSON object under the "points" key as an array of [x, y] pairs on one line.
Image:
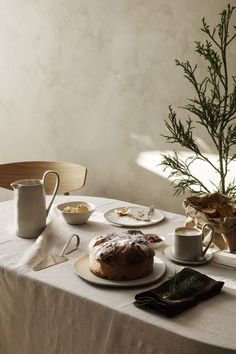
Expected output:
{"points": [[30, 205]]}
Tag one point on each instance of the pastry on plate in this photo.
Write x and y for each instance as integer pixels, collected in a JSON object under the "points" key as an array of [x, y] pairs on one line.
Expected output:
{"points": [[121, 256]]}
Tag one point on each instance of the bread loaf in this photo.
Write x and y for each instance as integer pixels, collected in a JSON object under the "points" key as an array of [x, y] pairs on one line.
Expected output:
{"points": [[121, 256]]}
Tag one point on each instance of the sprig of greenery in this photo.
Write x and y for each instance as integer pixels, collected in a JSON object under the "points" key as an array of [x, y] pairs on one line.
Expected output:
{"points": [[213, 108], [182, 288], [183, 179]]}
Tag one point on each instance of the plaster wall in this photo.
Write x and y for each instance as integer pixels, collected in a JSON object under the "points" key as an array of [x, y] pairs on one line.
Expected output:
{"points": [[90, 82]]}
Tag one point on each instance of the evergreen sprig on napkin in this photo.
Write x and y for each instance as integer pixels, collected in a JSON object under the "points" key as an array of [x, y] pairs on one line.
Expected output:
{"points": [[181, 289], [184, 290]]}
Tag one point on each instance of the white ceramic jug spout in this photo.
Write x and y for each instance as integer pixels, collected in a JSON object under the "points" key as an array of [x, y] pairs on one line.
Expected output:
{"points": [[30, 205]]}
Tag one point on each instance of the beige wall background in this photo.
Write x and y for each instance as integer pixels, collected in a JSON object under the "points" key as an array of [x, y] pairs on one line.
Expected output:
{"points": [[90, 82]]}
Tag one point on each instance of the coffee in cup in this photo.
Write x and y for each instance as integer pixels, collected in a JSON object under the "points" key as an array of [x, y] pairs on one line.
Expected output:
{"points": [[188, 242]]}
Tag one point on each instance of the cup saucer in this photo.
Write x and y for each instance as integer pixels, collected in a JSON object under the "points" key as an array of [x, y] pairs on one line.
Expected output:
{"points": [[206, 258]]}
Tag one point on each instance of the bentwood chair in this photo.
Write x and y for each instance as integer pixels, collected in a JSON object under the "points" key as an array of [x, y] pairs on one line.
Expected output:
{"points": [[72, 176]]}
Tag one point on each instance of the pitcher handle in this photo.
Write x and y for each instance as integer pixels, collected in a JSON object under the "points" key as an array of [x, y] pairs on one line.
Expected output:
{"points": [[211, 239], [55, 189]]}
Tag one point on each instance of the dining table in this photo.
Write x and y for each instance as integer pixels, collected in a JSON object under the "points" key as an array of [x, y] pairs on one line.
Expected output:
{"points": [[56, 311]]}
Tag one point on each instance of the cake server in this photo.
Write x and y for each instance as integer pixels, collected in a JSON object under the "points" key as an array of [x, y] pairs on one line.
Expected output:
{"points": [[53, 259]]}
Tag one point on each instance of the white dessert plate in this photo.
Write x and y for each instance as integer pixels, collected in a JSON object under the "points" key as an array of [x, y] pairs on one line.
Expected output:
{"points": [[206, 258], [81, 267], [129, 221]]}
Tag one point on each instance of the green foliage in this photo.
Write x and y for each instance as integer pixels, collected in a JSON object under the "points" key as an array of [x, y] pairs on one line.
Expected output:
{"points": [[213, 108], [182, 288]]}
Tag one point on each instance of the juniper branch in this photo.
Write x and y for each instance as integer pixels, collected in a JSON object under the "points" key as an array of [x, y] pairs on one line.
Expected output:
{"points": [[213, 108]]}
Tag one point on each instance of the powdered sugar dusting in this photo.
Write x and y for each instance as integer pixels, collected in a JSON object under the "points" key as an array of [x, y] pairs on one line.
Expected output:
{"points": [[113, 242]]}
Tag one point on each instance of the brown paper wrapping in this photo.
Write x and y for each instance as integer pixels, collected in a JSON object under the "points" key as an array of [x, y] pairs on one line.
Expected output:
{"points": [[217, 210]]}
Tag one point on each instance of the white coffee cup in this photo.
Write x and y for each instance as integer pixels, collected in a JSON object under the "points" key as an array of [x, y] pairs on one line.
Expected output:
{"points": [[188, 242]]}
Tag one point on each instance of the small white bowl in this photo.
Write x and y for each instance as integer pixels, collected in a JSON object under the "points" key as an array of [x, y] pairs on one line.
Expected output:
{"points": [[76, 218], [157, 244]]}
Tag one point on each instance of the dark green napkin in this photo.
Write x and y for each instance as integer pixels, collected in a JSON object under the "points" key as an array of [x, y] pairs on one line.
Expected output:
{"points": [[182, 291]]}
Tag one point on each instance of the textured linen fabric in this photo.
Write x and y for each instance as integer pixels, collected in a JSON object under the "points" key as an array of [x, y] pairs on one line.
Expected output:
{"points": [[54, 311], [160, 299]]}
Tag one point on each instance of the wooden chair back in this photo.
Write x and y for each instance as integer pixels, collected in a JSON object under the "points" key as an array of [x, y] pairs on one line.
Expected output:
{"points": [[72, 176]]}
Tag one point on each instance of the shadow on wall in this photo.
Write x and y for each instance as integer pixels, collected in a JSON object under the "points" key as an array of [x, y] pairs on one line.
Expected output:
{"points": [[202, 170], [134, 174], [150, 160]]}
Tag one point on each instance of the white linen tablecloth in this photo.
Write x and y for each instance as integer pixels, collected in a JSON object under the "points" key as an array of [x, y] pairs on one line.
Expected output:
{"points": [[53, 311]]}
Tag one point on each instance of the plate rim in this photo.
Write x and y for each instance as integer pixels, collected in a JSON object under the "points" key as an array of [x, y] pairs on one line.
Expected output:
{"points": [[168, 254], [148, 279], [139, 223]]}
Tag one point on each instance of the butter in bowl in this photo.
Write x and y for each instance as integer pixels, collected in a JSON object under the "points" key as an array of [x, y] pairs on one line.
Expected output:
{"points": [[76, 212]]}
